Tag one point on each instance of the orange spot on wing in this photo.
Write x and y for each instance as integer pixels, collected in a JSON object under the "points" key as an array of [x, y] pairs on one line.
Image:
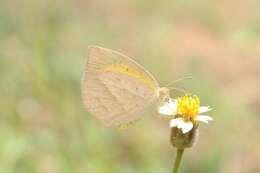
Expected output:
{"points": [[124, 69]]}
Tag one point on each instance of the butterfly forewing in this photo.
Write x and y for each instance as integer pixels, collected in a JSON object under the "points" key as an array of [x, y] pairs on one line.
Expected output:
{"points": [[115, 89]]}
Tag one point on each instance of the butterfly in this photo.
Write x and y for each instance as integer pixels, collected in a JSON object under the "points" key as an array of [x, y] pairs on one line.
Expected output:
{"points": [[116, 90]]}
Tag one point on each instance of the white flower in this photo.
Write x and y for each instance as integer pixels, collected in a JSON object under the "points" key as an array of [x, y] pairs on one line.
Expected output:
{"points": [[186, 112]]}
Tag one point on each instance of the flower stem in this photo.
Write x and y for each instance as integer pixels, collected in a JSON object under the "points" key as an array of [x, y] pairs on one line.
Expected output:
{"points": [[177, 160]]}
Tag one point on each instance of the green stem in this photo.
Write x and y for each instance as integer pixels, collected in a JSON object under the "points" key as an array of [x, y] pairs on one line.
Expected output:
{"points": [[177, 160]]}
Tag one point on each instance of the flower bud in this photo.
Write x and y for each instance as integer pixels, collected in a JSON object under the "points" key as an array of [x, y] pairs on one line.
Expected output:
{"points": [[181, 140]]}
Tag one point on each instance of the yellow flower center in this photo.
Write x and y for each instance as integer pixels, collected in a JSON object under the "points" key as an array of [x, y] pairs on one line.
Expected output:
{"points": [[188, 107]]}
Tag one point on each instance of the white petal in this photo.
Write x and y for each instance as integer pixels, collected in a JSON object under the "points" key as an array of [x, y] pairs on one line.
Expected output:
{"points": [[176, 122], [203, 118], [169, 108], [203, 109], [186, 127], [165, 110], [173, 104]]}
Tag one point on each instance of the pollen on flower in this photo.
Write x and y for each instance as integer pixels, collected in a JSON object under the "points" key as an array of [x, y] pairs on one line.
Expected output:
{"points": [[188, 107]]}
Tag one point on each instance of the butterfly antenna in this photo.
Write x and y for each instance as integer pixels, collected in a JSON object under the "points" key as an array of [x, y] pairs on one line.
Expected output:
{"points": [[178, 80], [179, 90]]}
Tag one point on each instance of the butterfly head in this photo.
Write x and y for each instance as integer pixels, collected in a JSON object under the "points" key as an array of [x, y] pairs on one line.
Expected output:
{"points": [[163, 94]]}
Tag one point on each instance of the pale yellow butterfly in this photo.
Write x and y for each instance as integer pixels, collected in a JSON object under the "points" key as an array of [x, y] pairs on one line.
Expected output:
{"points": [[116, 89]]}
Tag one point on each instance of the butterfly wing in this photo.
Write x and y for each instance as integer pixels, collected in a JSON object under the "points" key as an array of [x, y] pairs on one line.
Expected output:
{"points": [[115, 89]]}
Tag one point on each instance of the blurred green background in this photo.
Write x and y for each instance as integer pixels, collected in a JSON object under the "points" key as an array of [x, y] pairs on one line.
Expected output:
{"points": [[44, 127]]}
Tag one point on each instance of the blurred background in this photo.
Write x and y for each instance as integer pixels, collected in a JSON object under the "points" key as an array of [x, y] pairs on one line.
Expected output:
{"points": [[44, 127]]}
